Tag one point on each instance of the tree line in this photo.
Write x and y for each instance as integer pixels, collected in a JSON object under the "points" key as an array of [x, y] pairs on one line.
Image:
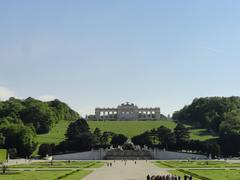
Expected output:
{"points": [[220, 115], [21, 120], [175, 140]]}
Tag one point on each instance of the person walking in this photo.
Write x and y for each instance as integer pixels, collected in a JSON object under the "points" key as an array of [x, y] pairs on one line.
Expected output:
{"points": [[148, 177]]}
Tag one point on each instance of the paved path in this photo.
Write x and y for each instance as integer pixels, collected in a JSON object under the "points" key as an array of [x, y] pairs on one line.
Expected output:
{"points": [[130, 171]]}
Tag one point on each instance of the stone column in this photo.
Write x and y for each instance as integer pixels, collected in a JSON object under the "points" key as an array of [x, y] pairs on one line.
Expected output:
{"points": [[106, 114], [157, 113], [151, 115], [97, 114]]}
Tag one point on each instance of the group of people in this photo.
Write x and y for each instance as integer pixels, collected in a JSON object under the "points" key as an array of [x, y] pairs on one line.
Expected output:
{"points": [[125, 161], [109, 164], [168, 177]]}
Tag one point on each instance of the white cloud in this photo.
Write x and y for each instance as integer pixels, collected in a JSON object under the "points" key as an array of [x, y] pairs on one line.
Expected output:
{"points": [[6, 93], [47, 97]]}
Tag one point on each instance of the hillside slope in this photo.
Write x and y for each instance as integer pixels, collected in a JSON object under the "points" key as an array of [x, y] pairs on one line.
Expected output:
{"points": [[128, 128]]}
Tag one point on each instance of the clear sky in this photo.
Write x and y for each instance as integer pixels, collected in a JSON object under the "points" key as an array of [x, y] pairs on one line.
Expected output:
{"points": [[103, 53]]}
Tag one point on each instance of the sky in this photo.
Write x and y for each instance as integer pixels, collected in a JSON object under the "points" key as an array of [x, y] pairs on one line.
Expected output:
{"points": [[103, 53]]}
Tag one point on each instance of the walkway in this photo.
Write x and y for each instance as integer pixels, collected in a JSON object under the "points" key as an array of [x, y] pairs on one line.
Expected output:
{"points": [[130, 171]]}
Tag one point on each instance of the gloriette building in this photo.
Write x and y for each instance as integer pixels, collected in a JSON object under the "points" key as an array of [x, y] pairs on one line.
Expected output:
{"points": [[127, 111]]}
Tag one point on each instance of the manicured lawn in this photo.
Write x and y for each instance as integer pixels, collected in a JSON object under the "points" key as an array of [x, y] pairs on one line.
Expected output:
{"points": [[56, 135], [61, 164], [130, 128], [211, 174], [3, 155], [34, 175], [219, 174], [196, 164], [215, 174], [78, 175], [38, 174]]}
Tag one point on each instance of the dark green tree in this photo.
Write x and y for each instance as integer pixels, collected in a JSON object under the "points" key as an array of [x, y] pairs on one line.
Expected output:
{"points": [[2, 140], [97, 135], [165, 136], [45, 149], [77, 128], [118, 140], [79, 137], [142, 139], [214, 149], [181, 133]]}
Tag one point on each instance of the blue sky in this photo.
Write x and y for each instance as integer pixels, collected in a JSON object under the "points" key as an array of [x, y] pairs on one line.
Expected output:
{"points": [[103, 53]]}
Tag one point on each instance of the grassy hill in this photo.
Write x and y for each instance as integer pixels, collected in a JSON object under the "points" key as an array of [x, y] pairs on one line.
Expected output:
{"points": [[56, 135], [3, 155], [128, 128]]}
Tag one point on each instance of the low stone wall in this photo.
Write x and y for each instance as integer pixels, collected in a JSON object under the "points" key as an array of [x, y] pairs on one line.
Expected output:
{"points": [[171, 155], [88, 155], [128, 154], [101, 154]]}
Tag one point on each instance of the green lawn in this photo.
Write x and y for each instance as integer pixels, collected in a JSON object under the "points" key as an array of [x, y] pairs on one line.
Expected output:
{"points": [[214, 174], [218, 174], [3, 155], [46, 175], [132, 128], [56, 135], [201, 134], [78, 175], [196, 164], [33, 175], [61, 164], [210, 174], [38, 174]]}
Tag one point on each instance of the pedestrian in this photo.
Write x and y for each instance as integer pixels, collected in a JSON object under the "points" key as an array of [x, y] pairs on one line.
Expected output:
{"points": [[148, 177]]}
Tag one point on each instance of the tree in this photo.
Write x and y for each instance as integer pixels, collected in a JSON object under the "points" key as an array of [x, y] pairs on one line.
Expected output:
{"points": [[77, 128], [2, 140], [84, 142], [230, 133], [97, 136], [118, 140], [45, 149], [214, 150], [181, 133], [106, 138], [166, 136], [182, 137], [40, 115], [12, 153], [79, 136], [63, 111], [20, 137], [142, 139], [20, 120]]}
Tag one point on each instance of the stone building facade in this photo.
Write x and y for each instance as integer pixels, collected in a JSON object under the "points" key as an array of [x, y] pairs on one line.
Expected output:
{"points": [[127, 111]]}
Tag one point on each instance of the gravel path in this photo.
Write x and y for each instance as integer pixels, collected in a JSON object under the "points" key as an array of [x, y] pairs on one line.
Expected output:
{"points": [[130, 171]]}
